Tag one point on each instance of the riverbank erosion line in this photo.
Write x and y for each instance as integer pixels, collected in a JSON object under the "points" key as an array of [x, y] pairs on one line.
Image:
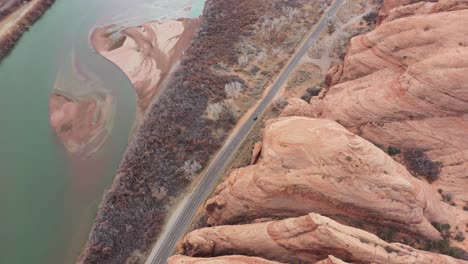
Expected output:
{"points": [[16, 19]]}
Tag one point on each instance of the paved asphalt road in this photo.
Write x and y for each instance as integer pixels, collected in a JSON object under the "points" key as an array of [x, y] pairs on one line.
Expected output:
{"points": [[181, 219]]}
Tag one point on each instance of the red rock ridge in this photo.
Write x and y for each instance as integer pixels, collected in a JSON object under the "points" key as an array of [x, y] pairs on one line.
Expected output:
{"points": [[305, 239], [312, 165], [178, 259], [405, 85]]}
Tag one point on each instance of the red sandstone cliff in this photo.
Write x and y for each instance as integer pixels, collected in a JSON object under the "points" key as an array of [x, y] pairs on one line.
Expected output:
{"points": [[305, 239], [219, 260], [405, 85]]}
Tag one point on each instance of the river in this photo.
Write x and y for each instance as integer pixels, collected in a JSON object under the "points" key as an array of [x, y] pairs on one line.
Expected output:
{"points": [[48, 198]]}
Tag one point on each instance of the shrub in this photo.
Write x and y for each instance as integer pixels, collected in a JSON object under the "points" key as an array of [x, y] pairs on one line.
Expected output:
{"points": [[233, 89], [311, 92], [389, 249], [341, 44], [447, 197], [419, 163], [331, 26], [279, 105], [191, 168], [460, 237], [371, 18], [392, 151], [387, 233]]}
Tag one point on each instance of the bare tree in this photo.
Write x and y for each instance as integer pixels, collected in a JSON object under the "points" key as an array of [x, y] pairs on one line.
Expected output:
{"points": [[233, 89], [331, 25], [158, 192], [243, 60], [214, 110], [316, 51], [290, 12], [191, 168], [261, 55]]}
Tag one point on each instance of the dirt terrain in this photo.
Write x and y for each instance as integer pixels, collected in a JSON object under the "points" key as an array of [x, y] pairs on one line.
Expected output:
{"points": [[371, 168]]}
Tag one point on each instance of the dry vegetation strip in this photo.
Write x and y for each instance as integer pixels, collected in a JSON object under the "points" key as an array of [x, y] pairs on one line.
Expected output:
{"points": [[9, 6]]}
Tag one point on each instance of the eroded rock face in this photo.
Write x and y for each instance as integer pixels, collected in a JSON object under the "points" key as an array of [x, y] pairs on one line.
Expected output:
{"points": [[312, 165], [331, 260], [147, 54], [219, 260], [405, 85], [308, 239]]}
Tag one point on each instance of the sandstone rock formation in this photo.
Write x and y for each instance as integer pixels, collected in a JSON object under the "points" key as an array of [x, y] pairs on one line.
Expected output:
{"points": [[333, 75], [331, 260], [147, 54], [219, 260], [257, 150], [405, 85], [306, 239], [312, 165]]}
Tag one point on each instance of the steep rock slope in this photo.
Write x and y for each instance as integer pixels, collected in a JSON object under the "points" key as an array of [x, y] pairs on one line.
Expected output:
{"points": [[305, 239], [312, 165], [405, 85], [219, 260], [147, 54], [331, 260]]}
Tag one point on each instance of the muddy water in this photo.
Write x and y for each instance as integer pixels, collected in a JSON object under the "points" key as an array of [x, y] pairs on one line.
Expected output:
{"points": [[48, 198]]}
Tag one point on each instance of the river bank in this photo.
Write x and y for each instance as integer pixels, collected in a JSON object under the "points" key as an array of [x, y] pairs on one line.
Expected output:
{"points": [[16, 19], [147, 54]]}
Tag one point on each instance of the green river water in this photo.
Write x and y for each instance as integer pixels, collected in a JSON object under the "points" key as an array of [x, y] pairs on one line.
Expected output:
{"points": [[47, 198]]}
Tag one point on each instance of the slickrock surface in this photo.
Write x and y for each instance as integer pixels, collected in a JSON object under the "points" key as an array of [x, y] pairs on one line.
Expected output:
{"points": [[312, 165], [308, 238], [219, 260], [405, 84], [148, 54], [331, 260]]}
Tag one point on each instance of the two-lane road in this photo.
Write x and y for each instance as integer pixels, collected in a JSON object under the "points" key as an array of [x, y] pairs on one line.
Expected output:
{"points": [[182, 218]]}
